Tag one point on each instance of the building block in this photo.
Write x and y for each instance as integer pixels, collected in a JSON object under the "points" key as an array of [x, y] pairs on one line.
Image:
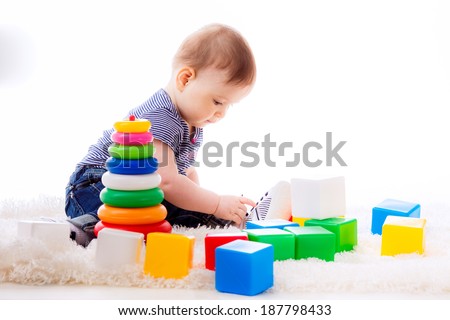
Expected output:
{"points": [[313, 242], [214, 240], [270, 223], [244, 267], [280, 201], [346, 231], [318, 198], [402, 235], [283, 242], [118, 248], [168, 255], [300, 221], [392, 207], [53, 234]]}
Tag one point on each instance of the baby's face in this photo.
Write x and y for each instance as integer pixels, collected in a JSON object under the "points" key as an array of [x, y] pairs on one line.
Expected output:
{"points": [[207, 97]]}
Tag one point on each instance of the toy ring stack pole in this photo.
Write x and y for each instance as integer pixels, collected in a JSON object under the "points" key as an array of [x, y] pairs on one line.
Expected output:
{"points": [[132, 197]]}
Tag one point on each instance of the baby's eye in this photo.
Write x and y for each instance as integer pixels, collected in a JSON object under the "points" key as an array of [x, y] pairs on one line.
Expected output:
{"points": [[217, 103]]}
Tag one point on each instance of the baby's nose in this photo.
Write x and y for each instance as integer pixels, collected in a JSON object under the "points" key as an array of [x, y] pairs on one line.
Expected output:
{"points": [[220, 113]]}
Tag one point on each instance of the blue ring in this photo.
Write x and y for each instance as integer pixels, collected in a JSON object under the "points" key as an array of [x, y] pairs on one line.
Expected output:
{"points": [[129, 166]]}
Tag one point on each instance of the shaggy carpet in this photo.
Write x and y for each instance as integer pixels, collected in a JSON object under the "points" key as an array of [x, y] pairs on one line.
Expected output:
{"points": [[362, 270]]}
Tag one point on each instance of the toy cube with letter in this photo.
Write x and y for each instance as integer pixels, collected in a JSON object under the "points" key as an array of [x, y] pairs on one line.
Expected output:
{"points": [[244, 267], [214, 240], [168, 255], [270, 223], [313, 242], [53, 234], [392, 207], [318, 198], [402, 235], [283, 242], [117, 248], [344, 229], [300, 221]]}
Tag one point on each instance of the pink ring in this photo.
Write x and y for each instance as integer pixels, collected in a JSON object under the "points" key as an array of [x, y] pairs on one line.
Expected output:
{"points": [[132, 139]]}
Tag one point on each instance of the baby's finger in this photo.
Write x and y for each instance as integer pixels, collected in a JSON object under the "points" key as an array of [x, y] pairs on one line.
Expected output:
{"points": [[247, 201], [242, 211], [237, 218]]}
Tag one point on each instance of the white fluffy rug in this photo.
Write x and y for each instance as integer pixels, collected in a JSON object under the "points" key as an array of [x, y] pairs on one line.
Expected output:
{"points": [[363, 270]]}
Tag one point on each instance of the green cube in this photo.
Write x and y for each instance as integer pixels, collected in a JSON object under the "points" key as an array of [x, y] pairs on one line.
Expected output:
{"points": [[283, 242], [344, 229], [313, 242]]}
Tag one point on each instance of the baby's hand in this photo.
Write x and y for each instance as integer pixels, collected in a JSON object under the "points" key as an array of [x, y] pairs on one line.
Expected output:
{"points": [[233, 208]]}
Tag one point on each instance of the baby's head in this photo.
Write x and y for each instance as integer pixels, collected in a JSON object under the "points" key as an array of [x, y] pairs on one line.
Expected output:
{"points": [[213, 68]]}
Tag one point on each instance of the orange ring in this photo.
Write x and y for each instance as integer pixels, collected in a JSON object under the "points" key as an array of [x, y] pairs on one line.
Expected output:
{"points": [[131, 216]]}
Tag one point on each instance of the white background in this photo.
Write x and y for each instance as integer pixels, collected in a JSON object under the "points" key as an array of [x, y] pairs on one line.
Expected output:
{"points": [[374, 73]]}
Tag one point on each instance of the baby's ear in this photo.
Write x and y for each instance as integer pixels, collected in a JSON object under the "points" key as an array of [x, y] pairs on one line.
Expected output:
{"points": [[184, 75]]}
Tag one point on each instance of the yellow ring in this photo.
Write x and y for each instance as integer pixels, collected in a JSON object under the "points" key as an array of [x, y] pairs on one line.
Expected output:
{"points": [[132, 216], [135, 126]]}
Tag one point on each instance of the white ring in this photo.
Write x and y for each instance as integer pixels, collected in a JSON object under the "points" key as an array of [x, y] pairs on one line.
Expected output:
{"points": [[131, 181]]}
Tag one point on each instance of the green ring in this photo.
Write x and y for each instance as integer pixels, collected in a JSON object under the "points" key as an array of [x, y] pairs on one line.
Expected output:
{"points": [[132, 199], [120, 151]]}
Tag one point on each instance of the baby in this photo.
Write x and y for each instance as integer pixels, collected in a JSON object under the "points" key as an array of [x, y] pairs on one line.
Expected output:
{"points": [[213, 69]]}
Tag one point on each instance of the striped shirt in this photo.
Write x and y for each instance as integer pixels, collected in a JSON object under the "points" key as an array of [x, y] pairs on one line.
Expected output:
{"points": [[166, 126]]}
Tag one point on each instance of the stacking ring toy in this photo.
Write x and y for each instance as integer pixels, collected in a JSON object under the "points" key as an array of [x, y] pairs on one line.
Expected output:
{"points": [[163, 226], [132, 139], [131, 152], [131, 182], [127, 166], [146, 215], [135, 125], [132, 199]]}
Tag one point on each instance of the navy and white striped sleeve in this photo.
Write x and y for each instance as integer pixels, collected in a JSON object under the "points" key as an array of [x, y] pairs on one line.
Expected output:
{"points": [[166, 127]]}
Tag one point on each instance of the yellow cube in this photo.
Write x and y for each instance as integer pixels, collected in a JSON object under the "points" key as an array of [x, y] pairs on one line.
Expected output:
{"points": [[402, 235], [300, 220], [168, 255]]}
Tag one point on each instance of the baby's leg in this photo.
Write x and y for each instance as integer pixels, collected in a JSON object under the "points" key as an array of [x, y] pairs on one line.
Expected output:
{"points": [[82, 202], [83, 192], [275, 204]]}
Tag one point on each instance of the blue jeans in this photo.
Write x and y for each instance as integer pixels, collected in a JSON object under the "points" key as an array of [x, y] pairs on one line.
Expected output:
{"points": [[83, 197], [83, 191]]}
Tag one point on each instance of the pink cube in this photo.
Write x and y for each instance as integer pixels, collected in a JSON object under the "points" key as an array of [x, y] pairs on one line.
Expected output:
{"points": [[214, 240]]}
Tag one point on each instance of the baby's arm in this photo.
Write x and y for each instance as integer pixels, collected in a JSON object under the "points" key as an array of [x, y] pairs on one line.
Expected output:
{"points": [[192, 174], [184, 193]]}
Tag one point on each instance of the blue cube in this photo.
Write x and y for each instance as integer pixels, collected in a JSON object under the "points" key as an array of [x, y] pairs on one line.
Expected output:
{"points": [[244, 267], [392, 207], [270, 223]]}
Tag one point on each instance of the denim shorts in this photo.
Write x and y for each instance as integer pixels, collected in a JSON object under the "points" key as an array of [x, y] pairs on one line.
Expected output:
{"points": [[83, 197]]}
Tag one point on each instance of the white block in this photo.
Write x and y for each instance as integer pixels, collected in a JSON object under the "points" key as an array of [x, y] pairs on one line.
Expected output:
{"points": [[280, 204], [53, 234], [319, 198], [118, 248]]}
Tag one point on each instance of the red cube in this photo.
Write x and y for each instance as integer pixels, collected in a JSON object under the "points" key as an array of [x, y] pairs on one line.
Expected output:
{"points": [[214, 240]]}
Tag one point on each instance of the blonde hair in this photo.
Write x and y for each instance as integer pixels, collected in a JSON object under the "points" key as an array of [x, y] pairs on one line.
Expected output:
{"points": [[221, 47]]}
